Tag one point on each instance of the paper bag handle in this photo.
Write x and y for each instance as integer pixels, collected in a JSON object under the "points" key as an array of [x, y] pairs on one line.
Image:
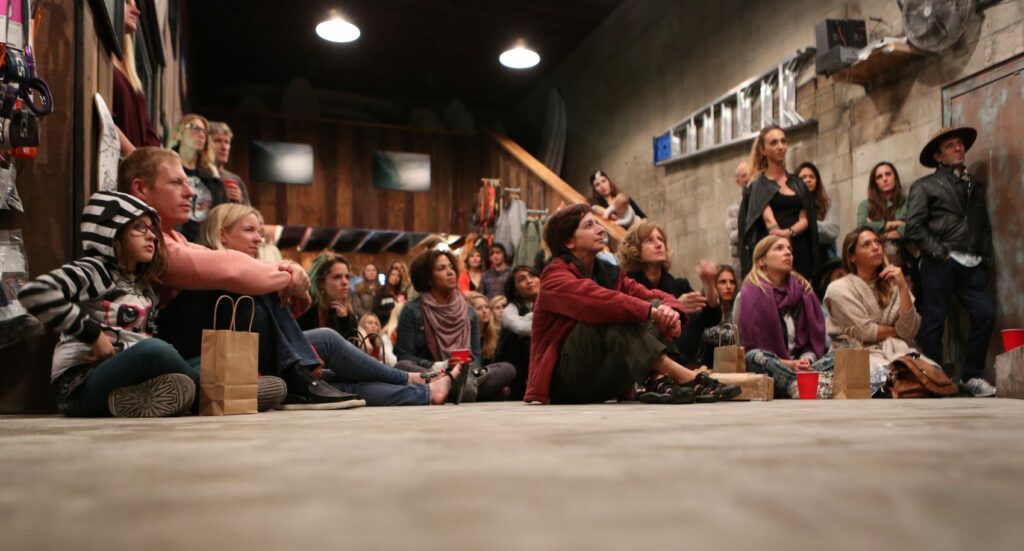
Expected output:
{"points": [[735, 331], [234, 310], [850, 339]]}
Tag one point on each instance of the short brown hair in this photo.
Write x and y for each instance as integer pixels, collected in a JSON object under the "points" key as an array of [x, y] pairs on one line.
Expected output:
{"points": [[142, 164], [562, 226]]}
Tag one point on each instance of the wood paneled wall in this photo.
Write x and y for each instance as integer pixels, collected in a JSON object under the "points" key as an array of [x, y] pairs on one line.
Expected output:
{"points": [[342, 193]]}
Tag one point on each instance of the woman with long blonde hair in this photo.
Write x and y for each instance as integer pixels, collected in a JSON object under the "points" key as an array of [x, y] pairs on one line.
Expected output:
{"points": [[777, 203], [780, 320], [488, 329], [190, 140]]}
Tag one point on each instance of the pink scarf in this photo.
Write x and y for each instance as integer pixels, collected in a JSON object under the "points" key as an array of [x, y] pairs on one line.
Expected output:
{"points": [[447, 325]]}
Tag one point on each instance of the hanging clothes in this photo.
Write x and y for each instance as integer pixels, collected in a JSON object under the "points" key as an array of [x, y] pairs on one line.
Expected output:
{"points": [[529, 245], [508, 230]]}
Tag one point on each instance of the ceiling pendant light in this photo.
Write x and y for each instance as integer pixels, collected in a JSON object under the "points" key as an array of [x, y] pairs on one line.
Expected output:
{"points": [[336, 29], [519, 57]]}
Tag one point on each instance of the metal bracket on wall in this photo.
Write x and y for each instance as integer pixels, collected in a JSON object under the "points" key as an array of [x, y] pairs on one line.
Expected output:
{"points": [[775, 93]]}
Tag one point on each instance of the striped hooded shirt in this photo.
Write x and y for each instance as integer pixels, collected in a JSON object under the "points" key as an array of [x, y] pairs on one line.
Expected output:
{"points": [[91, 296]]}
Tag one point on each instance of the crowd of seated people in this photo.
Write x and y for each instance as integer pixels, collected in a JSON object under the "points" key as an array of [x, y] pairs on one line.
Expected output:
{"points": [[582, 326]]}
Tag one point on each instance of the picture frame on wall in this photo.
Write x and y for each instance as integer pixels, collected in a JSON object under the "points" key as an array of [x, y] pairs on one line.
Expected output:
{"points": [[109, 19]]}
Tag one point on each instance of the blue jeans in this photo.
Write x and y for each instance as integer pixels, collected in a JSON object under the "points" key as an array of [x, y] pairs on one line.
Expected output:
{"points": [[356, 372], [939, 280], [760, 361], [136, 364], [283, 345]]}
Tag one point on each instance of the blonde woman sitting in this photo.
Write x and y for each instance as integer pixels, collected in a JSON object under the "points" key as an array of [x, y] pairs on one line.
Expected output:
{"points": [[780, 320]]}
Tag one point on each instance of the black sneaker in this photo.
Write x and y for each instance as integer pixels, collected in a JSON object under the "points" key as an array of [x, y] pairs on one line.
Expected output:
{"points": [[709, 390], [305, 392], [664, 391]]}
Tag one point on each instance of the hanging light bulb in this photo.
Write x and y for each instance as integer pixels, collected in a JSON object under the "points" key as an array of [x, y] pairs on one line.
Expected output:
{"points": [[519, 57], [337, 29]]}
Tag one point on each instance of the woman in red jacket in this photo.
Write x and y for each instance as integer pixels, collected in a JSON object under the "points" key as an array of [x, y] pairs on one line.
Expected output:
{"points": [[596, 332]]}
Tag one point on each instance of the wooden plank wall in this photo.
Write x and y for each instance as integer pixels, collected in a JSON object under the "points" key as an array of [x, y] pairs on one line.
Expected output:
{"points": [[342, 193]]}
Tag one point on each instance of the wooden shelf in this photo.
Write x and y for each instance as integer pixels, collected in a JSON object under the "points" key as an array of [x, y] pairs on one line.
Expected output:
{"points": [[881, 60]]}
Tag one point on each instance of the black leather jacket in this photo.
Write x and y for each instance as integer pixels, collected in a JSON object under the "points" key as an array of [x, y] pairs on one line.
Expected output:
{"points": [[946, 212]]}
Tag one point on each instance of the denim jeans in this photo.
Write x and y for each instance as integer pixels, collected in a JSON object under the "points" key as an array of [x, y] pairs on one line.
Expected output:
{"points": [[356, 372], [136, 364], [760, 361], [939, 280]]}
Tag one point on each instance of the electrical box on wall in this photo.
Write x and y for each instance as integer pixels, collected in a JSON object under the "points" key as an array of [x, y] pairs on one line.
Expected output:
{"points": [[838, 41]]}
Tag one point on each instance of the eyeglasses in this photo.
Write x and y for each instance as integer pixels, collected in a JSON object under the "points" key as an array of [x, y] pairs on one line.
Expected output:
{"points": [[195, 128], [140, 229]]}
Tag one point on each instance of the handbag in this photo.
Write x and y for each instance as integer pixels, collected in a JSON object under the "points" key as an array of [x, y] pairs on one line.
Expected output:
{"points": [[911, 376]]}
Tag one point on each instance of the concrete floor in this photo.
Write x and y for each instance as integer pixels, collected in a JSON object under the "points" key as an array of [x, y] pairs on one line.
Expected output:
{"points": [[883, 474]]}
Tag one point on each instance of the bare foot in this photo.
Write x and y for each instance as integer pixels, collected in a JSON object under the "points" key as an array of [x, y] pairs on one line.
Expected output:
{"points": [[416, 379], [441, 386]]}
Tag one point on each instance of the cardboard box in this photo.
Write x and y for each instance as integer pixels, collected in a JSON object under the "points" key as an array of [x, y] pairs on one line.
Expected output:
{"points": [[1010, 374], [757, 387]]}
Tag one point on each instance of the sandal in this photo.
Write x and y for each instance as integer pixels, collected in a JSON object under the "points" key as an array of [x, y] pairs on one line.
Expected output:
{"points": [[458, 384]]}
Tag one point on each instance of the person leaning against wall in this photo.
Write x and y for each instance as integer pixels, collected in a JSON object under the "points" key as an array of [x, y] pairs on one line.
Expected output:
{"points": [[777, 203], [947, 218]]}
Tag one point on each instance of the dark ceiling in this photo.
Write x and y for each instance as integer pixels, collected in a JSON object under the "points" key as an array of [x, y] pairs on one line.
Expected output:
{"points": [[411, 52]]}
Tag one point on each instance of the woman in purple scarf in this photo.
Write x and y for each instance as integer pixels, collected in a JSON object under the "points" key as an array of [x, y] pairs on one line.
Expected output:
{"points": [[780, 320]]}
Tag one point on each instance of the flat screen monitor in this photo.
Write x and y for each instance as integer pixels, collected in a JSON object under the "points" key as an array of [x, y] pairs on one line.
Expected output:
{"points": [[281, 162], [401, 171]]}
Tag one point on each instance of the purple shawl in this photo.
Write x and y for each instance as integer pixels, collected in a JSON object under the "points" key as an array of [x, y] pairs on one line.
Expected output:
{"points": [[761, 326]]}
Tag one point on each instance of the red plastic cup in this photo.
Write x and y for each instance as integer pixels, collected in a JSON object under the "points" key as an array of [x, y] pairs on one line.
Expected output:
{"points": [[1012, 338], [461, 355], [807, 384], [232, 184]]}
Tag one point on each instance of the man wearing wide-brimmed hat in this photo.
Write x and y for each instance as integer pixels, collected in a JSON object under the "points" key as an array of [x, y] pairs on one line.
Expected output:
{"points": [[947, 218]]}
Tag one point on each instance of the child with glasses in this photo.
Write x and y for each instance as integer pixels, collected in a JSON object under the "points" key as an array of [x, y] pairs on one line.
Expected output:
{"points": [[106, 362]]}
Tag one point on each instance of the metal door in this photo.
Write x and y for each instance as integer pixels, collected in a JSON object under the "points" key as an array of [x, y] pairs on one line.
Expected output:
{"points": [[993, 102]]}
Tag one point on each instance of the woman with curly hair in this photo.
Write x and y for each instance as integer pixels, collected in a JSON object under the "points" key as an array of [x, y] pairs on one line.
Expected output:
{"points": [[645, 257]]}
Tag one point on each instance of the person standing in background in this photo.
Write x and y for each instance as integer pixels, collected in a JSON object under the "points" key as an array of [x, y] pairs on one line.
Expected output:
{"points": [[732, 212], [234, 187]]}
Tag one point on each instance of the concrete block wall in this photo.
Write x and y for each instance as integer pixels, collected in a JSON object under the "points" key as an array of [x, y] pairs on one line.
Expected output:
{"points": [[654, 61]]}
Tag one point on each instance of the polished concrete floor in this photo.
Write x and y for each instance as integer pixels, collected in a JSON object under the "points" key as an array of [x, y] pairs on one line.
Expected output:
{"points": [[883, 474]]}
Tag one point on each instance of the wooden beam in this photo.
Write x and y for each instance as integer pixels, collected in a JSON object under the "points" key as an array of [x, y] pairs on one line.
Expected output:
{"points": [[552, 180]]}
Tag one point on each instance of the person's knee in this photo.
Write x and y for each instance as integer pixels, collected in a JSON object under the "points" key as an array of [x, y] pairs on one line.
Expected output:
{"points": [[983, 312]]}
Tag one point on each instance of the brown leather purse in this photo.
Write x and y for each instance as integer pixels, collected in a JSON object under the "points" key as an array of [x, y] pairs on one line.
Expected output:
{"points": [[911, 376]]}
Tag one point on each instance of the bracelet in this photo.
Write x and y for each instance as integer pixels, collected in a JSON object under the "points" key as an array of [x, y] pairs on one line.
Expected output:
{"points": [[773, 227], [792, 232]]}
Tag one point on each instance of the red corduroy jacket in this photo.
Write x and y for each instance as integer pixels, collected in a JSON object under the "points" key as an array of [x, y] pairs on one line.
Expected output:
{"points": [[567, 298]]}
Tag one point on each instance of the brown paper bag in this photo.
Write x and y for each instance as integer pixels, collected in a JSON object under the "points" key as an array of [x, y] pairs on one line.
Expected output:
{"points": [[852, 374], [730, 358], [229, 366]]}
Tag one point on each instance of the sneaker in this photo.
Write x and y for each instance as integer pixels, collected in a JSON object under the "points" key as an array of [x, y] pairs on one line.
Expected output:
{"points": [[979, 388], [271, 391], [708, 390], [664, 391], [305, 392], [161, 396]]}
